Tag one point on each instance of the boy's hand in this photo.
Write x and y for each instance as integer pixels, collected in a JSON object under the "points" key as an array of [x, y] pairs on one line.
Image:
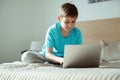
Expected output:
{"points": [[61, 60]]}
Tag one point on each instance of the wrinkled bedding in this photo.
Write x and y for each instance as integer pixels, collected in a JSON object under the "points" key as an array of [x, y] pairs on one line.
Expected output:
{"points": [[39, 71]]}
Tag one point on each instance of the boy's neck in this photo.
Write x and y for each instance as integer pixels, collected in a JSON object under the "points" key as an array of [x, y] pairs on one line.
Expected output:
{"points": [[64, 33]]}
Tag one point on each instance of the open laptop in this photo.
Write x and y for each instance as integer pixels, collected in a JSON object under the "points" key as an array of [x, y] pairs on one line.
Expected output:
{"points": [[81, 56]]}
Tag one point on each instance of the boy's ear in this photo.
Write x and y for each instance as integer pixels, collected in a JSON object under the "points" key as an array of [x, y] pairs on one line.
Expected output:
{"points": [[58, 18]]}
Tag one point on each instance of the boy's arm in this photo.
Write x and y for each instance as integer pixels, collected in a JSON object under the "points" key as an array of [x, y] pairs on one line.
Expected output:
{"points": [[52, 57]]}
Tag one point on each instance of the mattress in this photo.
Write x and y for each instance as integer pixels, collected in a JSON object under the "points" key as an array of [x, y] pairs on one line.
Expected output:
{"points": [[39, 71]]}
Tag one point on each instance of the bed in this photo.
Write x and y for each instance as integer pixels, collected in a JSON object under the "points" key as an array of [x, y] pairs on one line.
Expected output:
{"points": [[93, 32]]}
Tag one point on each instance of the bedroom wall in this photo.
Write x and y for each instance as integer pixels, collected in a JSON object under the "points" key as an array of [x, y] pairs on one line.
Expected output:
{"points": [[100, 10], [22, 21]]}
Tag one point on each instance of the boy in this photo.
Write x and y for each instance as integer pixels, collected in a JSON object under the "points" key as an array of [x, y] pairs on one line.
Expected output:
{"points": [[60, 34]]}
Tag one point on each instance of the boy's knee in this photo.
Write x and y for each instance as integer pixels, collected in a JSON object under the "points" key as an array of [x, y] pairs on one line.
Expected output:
{"points": [[28, 57]]}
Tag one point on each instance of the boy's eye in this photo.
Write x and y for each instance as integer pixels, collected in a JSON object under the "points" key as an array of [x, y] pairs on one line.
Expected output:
{"points": [[66, 22], [73, 22], [69, 22]]}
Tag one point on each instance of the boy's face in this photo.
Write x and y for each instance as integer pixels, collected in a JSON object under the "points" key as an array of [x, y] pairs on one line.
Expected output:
{"points": [[67, 23]]}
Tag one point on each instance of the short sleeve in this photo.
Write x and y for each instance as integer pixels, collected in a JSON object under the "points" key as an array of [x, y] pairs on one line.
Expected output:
{"points": [[78, 36], [49, 40]]}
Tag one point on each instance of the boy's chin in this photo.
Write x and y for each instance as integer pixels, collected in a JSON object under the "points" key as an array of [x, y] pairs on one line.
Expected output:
{"points": [[68, 30]]}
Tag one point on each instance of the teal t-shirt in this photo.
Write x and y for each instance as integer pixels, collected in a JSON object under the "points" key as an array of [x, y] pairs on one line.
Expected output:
{"points": [[54, 39]]}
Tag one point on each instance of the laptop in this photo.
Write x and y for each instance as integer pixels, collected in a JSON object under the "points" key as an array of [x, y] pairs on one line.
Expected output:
{"points": [[81, 56]]}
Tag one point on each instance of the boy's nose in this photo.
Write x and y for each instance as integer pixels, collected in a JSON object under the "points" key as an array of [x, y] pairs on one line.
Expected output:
{"points": [[70, 25]]}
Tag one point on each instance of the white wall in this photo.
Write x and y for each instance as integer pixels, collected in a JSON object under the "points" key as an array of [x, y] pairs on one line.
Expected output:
{"points": [[22, 21], [101, 10]]}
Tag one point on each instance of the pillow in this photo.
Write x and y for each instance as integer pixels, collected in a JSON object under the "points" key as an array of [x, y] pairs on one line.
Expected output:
{"points": [[110, 51]]}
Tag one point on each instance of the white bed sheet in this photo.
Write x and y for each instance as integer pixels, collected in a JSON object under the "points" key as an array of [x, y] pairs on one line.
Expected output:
{"points": [[39, 71]]}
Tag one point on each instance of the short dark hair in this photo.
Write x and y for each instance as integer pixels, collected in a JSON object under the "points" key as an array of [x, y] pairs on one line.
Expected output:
{"points": [[68, 9]]}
